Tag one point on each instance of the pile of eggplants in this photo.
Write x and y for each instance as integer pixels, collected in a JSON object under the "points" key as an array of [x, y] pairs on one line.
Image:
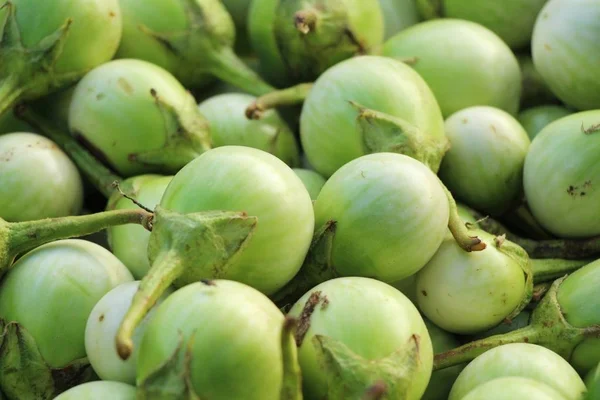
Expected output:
{"points": [[287, 200]]}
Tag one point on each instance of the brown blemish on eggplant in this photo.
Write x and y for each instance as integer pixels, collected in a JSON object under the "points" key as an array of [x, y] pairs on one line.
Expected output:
{"points": [[101, 318], [112, 14], [124, 85], [547, 47], [376, 391], [574, 190], [8, 156], [417, 340], [591, 129], [424, 292], [304, 321]]}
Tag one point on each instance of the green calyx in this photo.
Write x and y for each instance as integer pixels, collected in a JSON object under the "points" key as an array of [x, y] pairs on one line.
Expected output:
{"points": [[214, 236], [17, 238], [24, 373], [7, 255], [172, 380], [187, 136], [205, 47], [29, 72], [184, 249], [317, 268], [521, 258], [315, 37], [548, 328], [384, 133], [350, 376]]}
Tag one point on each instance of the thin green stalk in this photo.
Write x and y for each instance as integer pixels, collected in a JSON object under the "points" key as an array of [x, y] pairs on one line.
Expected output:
{"points": [[552, 268], [17, 238], [470, 351], [277, 98], [228, 67], [459, 229], [291, 387], [167, 267], [568, 249]]}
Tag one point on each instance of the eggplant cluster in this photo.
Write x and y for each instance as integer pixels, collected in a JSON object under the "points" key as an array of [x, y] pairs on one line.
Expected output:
{"points": [[299, 199]]}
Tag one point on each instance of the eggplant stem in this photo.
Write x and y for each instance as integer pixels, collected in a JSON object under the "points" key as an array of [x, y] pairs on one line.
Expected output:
{"points": [[22, 237], [167, 267], [470, 351], [569, 249], [291, 388], [101, 177], [459, 229], [376, 391], [228, 67], [305, 21], [548, 269], [277, 98]]}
